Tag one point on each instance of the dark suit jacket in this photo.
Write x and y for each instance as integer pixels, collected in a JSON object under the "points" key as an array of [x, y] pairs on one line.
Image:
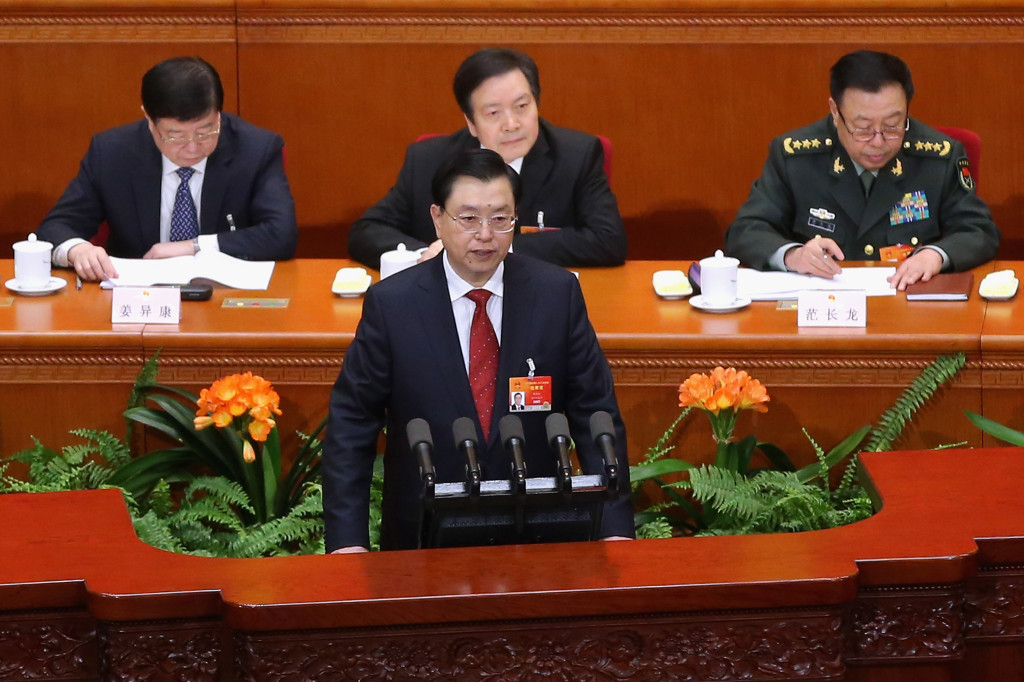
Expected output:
{"points": [[405, 363], [810, 187], [119, 182], [562, 176]]}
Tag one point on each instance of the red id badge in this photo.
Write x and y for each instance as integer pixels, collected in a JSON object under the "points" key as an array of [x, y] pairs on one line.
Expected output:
{"points": [[529, 394]]}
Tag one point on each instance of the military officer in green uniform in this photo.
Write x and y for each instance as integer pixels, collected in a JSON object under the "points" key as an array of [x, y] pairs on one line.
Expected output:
{"points": [[866, 182]]}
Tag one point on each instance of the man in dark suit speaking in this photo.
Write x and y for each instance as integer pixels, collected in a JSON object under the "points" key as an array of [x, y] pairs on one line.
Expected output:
{"points": [[147, 179], [444, 340], [565, 189]]}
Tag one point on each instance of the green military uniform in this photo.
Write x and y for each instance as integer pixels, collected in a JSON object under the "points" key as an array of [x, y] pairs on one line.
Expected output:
{"points": [[924, 196]]}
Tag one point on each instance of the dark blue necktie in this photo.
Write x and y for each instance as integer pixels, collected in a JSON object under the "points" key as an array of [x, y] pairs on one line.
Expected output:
{"points": [[184, 223]]}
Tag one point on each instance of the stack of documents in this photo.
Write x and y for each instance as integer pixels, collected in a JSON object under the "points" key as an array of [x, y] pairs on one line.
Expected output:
{"points": [[212, 265], [778, 286]]}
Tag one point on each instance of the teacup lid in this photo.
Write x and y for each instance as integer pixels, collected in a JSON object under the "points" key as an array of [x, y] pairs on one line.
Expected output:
{"points": [[32, 243], [719, 260]]}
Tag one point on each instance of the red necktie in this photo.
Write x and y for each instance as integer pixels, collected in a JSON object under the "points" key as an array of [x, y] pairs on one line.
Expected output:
{"points": [[483, 359]]}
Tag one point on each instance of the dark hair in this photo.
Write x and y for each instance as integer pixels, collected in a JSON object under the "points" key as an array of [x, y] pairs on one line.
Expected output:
{"points": [[487, 63], [182, 88], [482, 164], [869, 71]]}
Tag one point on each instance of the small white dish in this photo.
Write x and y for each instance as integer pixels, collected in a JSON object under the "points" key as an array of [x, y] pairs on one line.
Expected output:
{"points": [[999, 286], [671, 284], [738, 304], [54, 285], [351, 282]]}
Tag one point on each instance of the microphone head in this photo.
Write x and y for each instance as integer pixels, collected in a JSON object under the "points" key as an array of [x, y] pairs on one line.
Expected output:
{"points": [[557, 425], [510, 427], [601, 425], [418, 431], [464, 429]]}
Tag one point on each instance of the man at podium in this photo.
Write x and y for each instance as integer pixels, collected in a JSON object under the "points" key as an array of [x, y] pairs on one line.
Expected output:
{"points": [[446, 339], [186, 177], [865, 183]]}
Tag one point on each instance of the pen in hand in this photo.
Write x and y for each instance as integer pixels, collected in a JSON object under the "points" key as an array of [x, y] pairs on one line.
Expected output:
{"points": [[78, 282]]}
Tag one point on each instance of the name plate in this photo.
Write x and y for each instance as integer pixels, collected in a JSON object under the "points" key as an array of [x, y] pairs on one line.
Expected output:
{"points": [[146, 305], [832, 309]]}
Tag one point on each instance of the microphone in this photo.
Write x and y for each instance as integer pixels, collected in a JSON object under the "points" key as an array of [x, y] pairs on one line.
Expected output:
{"points": [[602, 430], [557, 428], [422, 444], [464, 432], [512, 439]]}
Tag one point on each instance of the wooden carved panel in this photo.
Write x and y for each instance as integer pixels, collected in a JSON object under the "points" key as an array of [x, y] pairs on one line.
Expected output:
{"points": [[763, 646], [995, 605], [193, 651], [47, 645], [906, 624]]}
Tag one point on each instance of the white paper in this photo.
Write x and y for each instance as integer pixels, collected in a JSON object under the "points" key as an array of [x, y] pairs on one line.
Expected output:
{"points": [[213, 265], [777, 286]]}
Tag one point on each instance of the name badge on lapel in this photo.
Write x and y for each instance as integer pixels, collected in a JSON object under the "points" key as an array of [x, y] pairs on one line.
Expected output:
{"points": [[913, 206], [529, 394], [821, 218]]}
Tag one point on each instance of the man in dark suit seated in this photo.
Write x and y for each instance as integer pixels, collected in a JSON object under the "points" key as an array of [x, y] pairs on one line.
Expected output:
{"points": [[444, 340], [866, 183], [564, 184], [145, 179]]}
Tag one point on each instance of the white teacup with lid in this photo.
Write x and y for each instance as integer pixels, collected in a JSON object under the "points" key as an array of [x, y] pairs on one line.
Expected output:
{"points": [[397, 260], [32, 263], [718, 280]]}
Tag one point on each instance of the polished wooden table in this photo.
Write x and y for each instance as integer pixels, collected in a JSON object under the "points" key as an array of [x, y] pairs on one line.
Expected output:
{"points": [[63, 365], [927, 589]]}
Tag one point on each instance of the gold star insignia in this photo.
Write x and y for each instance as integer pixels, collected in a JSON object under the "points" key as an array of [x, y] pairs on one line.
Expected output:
{"points": [[838, 167], [815, 143], [797, 144], [807, 144], [897, 170], [930, 147], [919, 146]]}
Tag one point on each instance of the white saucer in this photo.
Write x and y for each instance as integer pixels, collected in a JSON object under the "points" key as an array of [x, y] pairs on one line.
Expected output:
{"points": [[738, 304], [55, 284]]}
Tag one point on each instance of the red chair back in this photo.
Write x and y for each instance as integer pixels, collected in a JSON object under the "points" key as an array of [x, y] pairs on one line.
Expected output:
{"points": [[972, 144]]}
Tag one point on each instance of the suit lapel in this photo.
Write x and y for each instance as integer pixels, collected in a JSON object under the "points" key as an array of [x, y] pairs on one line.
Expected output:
{"points": [[145, 184], [518, 306], [846, 187], [536, 169], [216, 180], [437, 323]]}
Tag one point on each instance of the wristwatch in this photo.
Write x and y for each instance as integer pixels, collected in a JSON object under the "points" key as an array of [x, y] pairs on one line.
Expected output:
{"points": [[195, 246]]}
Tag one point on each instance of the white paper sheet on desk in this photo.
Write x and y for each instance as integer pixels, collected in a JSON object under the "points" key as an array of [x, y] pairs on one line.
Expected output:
{"points": [[213, 265], [777, 286]]}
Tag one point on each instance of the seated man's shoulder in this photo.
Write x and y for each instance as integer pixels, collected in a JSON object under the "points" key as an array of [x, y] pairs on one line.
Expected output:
{"points": [[539, 271], [924, 141], [569, 138], [816, 138], [245, 132]]}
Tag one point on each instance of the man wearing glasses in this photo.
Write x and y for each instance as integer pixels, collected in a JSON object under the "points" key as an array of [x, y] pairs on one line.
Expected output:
{"points": [[185, 178], [568, 213], [866, 183], [447, 339]]}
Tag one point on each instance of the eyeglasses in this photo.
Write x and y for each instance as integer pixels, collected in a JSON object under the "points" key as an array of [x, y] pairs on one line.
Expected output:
{"points": [[868, 134], [471, 224], [198, 138]]}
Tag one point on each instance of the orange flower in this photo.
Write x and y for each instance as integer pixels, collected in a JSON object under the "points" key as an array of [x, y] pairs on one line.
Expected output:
{"points": [[245, 401], [723, 389], [259, 429], [248, 453], [202, 422]]}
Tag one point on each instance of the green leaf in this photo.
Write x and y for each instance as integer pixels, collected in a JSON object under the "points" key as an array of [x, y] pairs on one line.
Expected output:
{"points": [[835, 455], [777, 456], [995, 429], [662, 467]]}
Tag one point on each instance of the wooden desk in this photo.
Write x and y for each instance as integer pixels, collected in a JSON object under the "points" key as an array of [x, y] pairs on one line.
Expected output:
{"points": [[63, 365], [909, 594]]}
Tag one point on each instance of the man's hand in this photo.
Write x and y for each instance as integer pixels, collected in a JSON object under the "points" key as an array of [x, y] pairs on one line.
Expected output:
{"points": [[355, 549], [817, 257], [920, 267], [91, 262], [431, 251], [171, 249]]}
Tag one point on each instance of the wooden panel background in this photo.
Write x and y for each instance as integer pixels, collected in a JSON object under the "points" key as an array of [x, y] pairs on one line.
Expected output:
{"points": [[689, 91]]}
